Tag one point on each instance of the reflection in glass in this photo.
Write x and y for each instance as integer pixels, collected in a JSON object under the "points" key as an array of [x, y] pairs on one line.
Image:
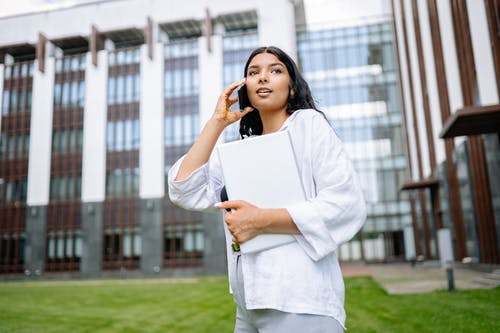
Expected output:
{"points": [[353, 79]]}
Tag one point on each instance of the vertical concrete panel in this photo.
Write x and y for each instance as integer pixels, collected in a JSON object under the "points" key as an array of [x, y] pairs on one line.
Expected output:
{"points": [[450, 60], [152, 184], [92, 246], [2, 67], [403, 68], [94, 129], [36, 221], [214, 255], [430, 71], [41, 135], [152, 236], [417, 91], [210, 76], [483, 57], [277, 29]]}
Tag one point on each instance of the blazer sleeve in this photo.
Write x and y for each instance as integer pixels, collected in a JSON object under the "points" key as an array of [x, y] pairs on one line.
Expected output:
{"points": [[200, 190], [337, 211]]}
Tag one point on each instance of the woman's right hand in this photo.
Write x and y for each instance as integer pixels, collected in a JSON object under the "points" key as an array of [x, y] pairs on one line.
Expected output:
{"points": [[223, 113]]}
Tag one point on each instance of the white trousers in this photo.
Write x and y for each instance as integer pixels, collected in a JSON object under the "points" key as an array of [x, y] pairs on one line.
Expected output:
{"points": [[274, 321]]}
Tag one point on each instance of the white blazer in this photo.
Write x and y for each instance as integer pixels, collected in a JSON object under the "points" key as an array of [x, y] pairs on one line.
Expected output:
{"points": [[304, 276]]}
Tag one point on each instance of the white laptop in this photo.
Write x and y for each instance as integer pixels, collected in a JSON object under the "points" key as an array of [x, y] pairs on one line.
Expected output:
{"points": [[263, 171]]}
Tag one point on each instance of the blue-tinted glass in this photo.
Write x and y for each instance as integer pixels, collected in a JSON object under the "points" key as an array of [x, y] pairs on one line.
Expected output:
{"points": [[120, 89], [74, 93], [129, 88], [137, 88], [5, 102], [81, 94], [28, 101], [57, 94], [13, 101], [136, 135], [7, 72]]}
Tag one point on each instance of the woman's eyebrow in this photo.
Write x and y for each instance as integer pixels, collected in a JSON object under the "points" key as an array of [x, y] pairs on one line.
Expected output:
{"points": [[270, 65], [276, 64]]}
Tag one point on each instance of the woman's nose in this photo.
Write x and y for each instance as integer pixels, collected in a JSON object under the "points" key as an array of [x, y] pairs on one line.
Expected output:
{"points": [[263, 78]]}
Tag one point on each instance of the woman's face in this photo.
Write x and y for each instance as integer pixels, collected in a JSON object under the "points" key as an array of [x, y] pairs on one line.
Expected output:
{"points": [[267, 83]]}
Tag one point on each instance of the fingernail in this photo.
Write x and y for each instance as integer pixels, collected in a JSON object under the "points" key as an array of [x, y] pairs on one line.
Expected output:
{"points": [[217, 204]]}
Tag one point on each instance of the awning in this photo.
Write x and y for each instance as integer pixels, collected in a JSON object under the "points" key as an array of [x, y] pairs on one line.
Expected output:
{"points": [[419, 184], [472, 120]]}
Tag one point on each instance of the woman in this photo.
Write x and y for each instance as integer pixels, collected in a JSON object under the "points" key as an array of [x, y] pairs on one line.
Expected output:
{"points": [[296, 287]]}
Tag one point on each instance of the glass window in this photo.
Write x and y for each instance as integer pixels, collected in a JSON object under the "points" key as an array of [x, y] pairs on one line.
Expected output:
{"points": [[137, 244], [110, 132], [119, 135], [59, 248], [74, 93], [129, 89], [136, 136], [69, 247], [5, 102], [111, 90], [57, 94], [13, 101], [137, 88], [28, 101], [3, 146], [127, 245], [51, 248], [11, 146], [65, 94], [120, 81], [78, 246]]}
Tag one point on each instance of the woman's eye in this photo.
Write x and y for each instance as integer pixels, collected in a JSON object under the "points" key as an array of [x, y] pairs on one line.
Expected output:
{"points": [[276, 71], [252, 73]]}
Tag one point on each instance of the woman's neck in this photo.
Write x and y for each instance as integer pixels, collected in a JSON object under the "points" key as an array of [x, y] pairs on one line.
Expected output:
{"points": [[273, 120]]}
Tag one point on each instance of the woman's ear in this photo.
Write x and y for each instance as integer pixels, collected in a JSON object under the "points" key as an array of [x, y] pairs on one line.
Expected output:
{"points": [[292, 92]]}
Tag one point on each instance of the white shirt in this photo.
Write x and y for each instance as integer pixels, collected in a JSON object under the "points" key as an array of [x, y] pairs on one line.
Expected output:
{"points": [[303, 276]]}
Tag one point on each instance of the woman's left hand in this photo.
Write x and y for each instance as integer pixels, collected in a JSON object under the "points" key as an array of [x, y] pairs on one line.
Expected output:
{"points": [[243, 219]]}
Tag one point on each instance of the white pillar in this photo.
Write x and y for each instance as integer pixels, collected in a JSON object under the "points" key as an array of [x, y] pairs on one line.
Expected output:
{"points": [[417, 90], [94, 129], [2, 66], [483, 58], [432, 89], [41, 134], [450, 59], [276, 21], [210, 76], [151, 156], [406, 98]]}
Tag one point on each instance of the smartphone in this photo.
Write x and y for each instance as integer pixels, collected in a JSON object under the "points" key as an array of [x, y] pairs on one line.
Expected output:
{"points": [[243, 98]]}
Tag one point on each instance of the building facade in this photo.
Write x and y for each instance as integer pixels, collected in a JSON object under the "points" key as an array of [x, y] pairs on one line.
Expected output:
{"points": [[449, 58], [99, 100]]}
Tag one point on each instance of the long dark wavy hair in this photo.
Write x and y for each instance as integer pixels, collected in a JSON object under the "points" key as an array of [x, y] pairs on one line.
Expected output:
{"points": [[251, 123]]}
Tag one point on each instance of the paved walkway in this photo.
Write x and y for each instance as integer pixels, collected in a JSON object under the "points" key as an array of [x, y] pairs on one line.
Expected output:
{"points": [[404, 279]]}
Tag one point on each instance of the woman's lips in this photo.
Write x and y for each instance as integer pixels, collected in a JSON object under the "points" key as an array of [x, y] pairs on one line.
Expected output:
{"points": [[263, 92]]}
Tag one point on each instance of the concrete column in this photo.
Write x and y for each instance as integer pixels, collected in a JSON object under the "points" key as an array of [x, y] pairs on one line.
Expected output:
{"points": [[2, 66], [94, 129], [214, 253], [211, 79], [276, 31], [450, 59], [34, 249], [41, 134], [483, 57], [151, 156], [92, 246], [152, 236]]}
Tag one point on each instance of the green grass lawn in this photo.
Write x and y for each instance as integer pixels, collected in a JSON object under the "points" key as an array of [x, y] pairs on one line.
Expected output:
{"points": [[204, 305]]}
